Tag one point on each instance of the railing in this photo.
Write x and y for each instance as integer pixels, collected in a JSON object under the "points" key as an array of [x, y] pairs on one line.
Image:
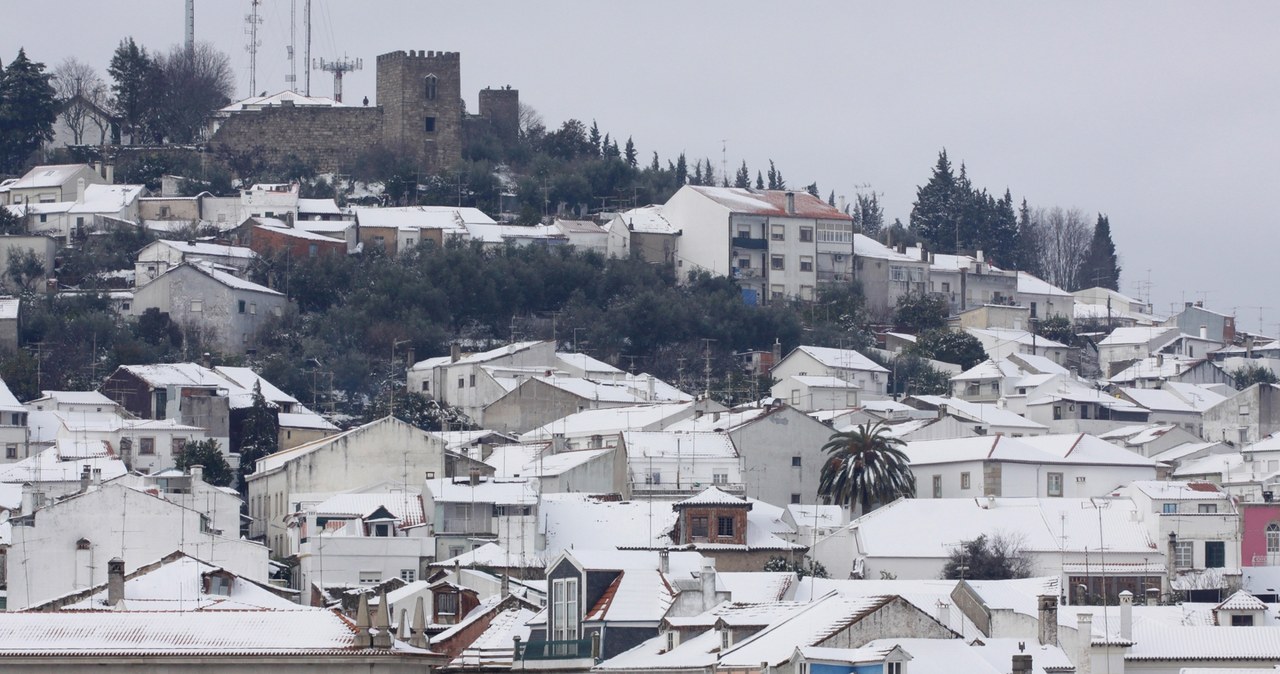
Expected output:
{"points": [[749, 242], [1269, 559], [567, 649], [739, 272], [832, 275], [463, 525]]}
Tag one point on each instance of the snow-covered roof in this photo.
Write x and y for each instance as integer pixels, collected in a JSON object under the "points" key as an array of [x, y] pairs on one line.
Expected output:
{"points": [[494, 556], [575, 521], [810, 626], [840, 359], [406, 507], [1045, 525], [287, 96], [51, 175], [683, 445], [176, 583], [586, 364], [454, 219], [1137, 335], [308, 421], [1241, 601], [1181, 451], [494, 647], [865, 246], [716, 422], [498, 491], [537, 460], [815, 381], [770, 202], [318, 206], [476, 358], [8, 401], [1034, 286], [1058, 449], [198, 248], [1179, 491], [712, 496], [1198, 397], [990, 369], [607, 421], [993, 415], [106, 198], [300, 631], [498, 233], [647, 220], [48, 466], [1021, 337]]}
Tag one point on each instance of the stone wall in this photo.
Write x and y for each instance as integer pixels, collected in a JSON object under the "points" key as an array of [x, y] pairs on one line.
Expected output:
{"points": [[327, 138], [421, 118], [501, 109]]}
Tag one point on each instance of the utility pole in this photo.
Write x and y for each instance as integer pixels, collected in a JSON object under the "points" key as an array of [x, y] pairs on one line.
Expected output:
{"points": [[306, 47], [292, 77]]}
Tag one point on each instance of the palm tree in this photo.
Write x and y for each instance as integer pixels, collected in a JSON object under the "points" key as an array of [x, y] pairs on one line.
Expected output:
{"points": [[866, 466]]}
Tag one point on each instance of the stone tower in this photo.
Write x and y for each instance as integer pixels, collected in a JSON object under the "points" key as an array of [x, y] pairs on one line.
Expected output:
{"points": [[501, 107], [420, 93]]}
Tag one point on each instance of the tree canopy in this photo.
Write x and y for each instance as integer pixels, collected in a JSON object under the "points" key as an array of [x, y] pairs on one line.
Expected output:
{"points": [[996, 557], [865, 466], [28, 108]]}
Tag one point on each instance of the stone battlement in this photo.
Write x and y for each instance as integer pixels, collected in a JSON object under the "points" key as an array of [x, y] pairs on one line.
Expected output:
{"points": [[418, 54]]}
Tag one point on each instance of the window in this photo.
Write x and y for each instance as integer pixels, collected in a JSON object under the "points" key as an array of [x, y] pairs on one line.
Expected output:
{"points": [[1033, 309], [1207, 508], [429, 87], [946, 287], [382, 530], [806, 293], [795, 462], [408, 575], [778, 232], [176, 447], [654, 478], [1169, 509], [806, 234], [744, 232], [312, 250], [777, 262], [1057, 412], [564, 609], [726, 639], [744, 263], [795, 498], [253, 308], [964, 480], [698, 526], [1183, 554], [719, 478], [147, 446], [795, 399], [370, 577], [430, 125], [1273, 538], [447, 603], [1215, 554], [197, 306], [426, 386], [240, 306], [44, 218], [1054, 484], [893, 668], [455, 550], [462, 382], [1242, 621], [10, 451], [806, 263], [937, 486], [671, 640], [472, 381], [724, 527], [1084, 411], [162, 402], [777, 292]]}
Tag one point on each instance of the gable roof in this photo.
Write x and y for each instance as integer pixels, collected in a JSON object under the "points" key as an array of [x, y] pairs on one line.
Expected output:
{"points": [[840, 359], [770, 202]]}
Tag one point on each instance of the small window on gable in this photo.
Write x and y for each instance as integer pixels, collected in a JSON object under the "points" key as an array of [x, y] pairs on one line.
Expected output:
{"points": [[429, 87]]}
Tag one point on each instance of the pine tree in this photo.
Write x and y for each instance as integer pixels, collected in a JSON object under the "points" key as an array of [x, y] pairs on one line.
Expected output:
{"points": [[743, 177], [682, 171], [697, 173], [28, 108], [759, 181], [1100, 268], [708, 174], [1027, 247], [133, 72], [831, 199], [630, 153], [655, 166], [812, 188], [594, 137], [259, 434], [933, 216]]}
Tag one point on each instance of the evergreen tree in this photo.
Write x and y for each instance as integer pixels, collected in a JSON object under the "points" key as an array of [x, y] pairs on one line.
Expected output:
{"points": [[933, 216], [681, 171], [743, 178], [594, 137], [630, 153], [28, 108], [133, 72], [868, 215], [1100, 267], [259, 434], [1027, 246], [208, 453], [812, 188], [708, 174], [654, 166], [831, 199], [611, 148], [697, 173], [759, 181]]}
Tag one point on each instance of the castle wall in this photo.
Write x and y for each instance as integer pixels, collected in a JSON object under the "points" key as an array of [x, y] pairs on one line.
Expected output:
{"points": [[423, 120], [501, 107], [328, 138]]}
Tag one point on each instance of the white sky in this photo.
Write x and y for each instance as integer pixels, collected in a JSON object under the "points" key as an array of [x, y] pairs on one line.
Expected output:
{"points": [[1160, 114]]}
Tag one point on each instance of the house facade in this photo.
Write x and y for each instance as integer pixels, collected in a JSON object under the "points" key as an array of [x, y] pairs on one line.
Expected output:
{"points": [[225, 311]]}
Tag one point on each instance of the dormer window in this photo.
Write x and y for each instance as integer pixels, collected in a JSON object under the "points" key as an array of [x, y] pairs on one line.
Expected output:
{"points": [[726, 638]]}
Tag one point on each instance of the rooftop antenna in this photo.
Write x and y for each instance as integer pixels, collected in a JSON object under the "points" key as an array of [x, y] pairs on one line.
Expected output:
{"points": [[292, 77], [251, 23], [339, 68], [191, 27]]}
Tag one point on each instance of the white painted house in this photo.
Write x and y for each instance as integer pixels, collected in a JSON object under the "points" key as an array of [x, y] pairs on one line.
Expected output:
{"points": [[844, 364]]}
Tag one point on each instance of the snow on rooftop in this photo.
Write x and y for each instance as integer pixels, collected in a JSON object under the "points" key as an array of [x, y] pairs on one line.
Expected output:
{"points": [[981, 412], [178, 585], [49, 175], [449, 218], [575, 521], [771, 202], [106, 198], [48, 466], [647, 220], [1137, 335], [683, 445], [286, 97], [608, 421], [810, 626], [406, 507], [1030, 285], [199, 248], [841, 359], [1178, 491], [538, 461]]}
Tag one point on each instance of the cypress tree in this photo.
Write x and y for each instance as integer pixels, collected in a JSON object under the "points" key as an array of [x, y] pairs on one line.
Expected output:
{"points": [[1101, 267], [28, 108]]}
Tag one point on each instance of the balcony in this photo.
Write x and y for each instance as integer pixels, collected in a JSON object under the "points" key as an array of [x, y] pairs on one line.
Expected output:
{"points": [[750, 243], [827, 276], [565, 655], [1269, 559]]}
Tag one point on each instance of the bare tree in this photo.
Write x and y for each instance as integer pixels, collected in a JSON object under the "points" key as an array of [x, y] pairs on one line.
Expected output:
{"points": [[195, 84], [531, 125], [1064, 237], [82, 95]]}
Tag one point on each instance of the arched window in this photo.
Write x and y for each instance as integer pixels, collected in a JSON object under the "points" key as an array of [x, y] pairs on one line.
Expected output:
{"points": [[1273, 538], [430, 87]]}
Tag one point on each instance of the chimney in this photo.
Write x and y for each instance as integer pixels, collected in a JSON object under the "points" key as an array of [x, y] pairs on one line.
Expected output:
{"points": [[943, 610], [978, 256], [197, 474], [791, 203], [84, 478], [506, 584], [115, 581], [1084, 643], [1153, 596], [402, 628], [418, 637], [653, 388], [473, 477], [1186, 305], [382, 638], [777, 350], [1159, 360], [97, 477], [363, 638], [1126, 615], [924, 253], [1048, 619], [1199, 304], [1021, 663], [708, 578], [455, 352], [840, 203], [664, 561], [109, 173], [79, 190], [558, 443], [1204, 332]]}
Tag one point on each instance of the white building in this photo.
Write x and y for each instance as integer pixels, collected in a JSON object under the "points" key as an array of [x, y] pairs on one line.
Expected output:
{"points": [[681, 464], [844, 364], [361, 538], [465, 513], [159, 256], [1002, 343]]}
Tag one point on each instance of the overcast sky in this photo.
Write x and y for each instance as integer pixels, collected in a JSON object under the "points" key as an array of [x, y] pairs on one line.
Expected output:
{"points": [[1160, 114]]}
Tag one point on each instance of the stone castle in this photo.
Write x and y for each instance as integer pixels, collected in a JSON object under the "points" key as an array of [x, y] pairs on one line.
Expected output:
{"points": [[419, 111]]}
